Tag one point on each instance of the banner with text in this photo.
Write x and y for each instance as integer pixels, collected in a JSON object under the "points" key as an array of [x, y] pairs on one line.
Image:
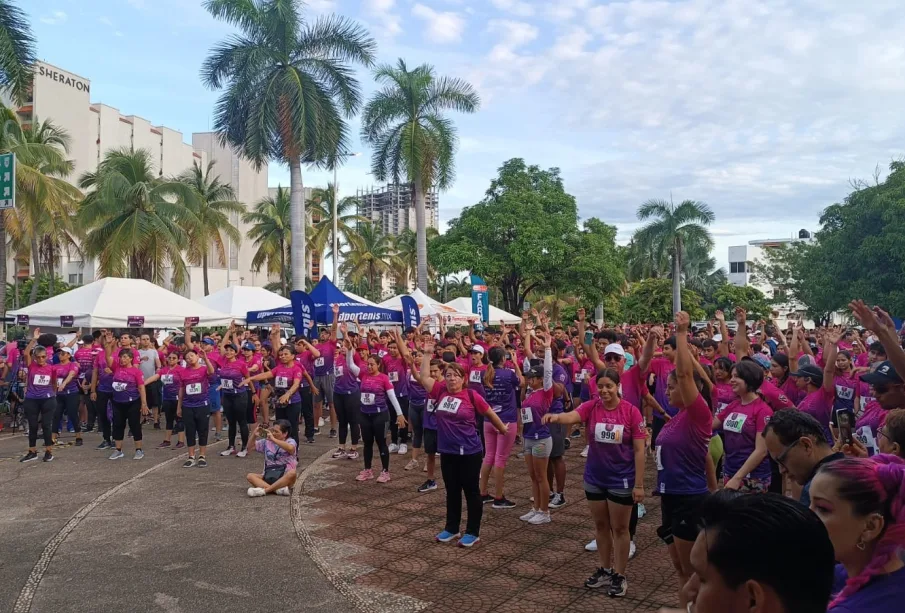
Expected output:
{"points": [[302, 313], [480, 300], [411, 316]]}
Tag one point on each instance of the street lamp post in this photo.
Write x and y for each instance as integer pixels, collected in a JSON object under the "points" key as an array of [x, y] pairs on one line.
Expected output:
{"points": [[336, 215]]}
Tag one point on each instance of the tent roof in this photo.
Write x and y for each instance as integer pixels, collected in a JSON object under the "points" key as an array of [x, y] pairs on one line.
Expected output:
{"points": [[109, 302], [324, 295], [238, 300], [430, 307], [495, 316]]}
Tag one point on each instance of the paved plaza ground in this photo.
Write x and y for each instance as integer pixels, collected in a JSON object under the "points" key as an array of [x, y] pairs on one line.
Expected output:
{"points": [[86, 534]]}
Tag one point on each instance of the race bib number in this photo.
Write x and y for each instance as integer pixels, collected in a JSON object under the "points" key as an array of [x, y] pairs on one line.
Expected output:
{"points": [[431, 407], [579, 376], [844, 393], [381, 353], [60, 381], [720, 407], [167, 379], [281, 382], [735, 422], [659, 458], [866, 438], [527, 415], [41, 380], [368, 399], [319, 362], [475, 376], [193, 388], [394, 377], [609, 433], [226, 384], [338, 371], [450, 405], [119, 386], [497, 408]]}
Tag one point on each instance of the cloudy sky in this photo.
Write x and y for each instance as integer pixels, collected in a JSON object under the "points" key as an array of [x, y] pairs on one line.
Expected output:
{"points": [[766, 110]]}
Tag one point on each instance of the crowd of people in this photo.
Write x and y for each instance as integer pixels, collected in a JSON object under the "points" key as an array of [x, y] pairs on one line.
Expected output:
{"points": [[778, 453]]}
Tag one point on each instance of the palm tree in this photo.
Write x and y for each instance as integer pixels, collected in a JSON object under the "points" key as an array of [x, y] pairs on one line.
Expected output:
{"points": [[17, 52], [271, 235], [320, 206], [700, 272], [216, 204], [412, 140], [669, 229], [138, 224], [407, 255], [288, 86], [369, 257]]}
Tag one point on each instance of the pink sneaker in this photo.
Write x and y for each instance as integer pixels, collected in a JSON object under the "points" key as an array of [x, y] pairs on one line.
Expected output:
{"points": [[365, 475], [339, 453], [384, 477]]}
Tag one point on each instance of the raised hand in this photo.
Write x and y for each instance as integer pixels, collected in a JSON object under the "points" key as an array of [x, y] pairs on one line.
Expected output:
{"points": [[720, 316], [682, 322], [740, 316], [580, 313], [335, 309]]}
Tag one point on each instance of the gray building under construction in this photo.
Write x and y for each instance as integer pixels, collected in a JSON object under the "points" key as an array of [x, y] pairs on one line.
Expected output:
{"points": [[393, 207]]}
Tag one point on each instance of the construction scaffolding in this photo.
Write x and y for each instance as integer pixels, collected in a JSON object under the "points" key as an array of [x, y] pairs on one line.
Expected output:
{"points": [[392, 207]]}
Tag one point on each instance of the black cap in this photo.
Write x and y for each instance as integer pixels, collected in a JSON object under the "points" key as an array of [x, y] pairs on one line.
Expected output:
{"points": [[884, 374], [535, 371], [814, 373]]}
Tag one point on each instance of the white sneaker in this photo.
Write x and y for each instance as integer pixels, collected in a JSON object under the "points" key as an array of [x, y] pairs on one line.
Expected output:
{"points": [[283, 491], [540, 518], [631, 550], [403, 449], [592, 546], [529, 515], [254, 492], [393, 448], [584, 452], [228, 452], [320, 422], [242, 454]]}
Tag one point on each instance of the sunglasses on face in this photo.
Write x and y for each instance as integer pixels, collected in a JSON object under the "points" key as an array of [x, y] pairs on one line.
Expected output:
{"points": [[611, 357]]}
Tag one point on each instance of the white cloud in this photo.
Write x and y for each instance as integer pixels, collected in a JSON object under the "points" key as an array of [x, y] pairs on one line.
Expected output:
{"points": [[388, 23], [55, 18], [106, 21], [319, 7], [442, 26], [516, 7]]}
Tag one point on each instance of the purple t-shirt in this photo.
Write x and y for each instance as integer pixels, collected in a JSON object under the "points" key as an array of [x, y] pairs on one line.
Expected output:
{"points": [[682, 447], [456, 415], [868, 424], [195, 385], [534, 407], [662, 367], [283, 378], [324, 363], [845, 392], [85, 357], [882, 594], [476, 378], [561, 376], [742, 424], [346, 382], [723, 396], [306, 362], [61, 371], [417, 393], [169, 382], [819, 405], [611, 436], [374, 392], [503, 395], [232, 374], [40, 382], [397, 371], [275, 456], [126, 381]]}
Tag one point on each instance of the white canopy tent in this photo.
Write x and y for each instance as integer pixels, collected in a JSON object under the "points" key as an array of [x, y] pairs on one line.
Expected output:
{"points": [[238, 300], [431, 308], [495, 316], [111, 303]]}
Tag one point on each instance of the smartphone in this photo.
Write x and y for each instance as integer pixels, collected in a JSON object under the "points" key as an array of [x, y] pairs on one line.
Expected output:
{"points": [[588, 337], [844, 419]]}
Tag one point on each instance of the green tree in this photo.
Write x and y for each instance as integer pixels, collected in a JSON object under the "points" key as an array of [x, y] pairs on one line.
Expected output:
{"points": [[727, 297], [136, 222], [406, 260], [320, 205], [289, 85], [214, 205], [17, 52], [18, 296], [369, 258], [650, 301], [412, 140], [669, 229], [596, 265], [700, 272], [271, 235]]}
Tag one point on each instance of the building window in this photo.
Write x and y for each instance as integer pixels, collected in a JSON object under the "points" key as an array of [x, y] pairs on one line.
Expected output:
{"points": [[737, 267], [76, 279]]}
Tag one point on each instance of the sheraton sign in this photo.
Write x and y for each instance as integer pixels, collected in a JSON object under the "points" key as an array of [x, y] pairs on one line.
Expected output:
{"points": [[63, 78]]}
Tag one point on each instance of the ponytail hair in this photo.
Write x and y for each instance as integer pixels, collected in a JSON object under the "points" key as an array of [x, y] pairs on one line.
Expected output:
{"points": [[496, 357], [872, 485]]}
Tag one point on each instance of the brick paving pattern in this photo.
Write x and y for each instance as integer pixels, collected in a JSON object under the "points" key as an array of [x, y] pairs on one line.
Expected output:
{"points": [[377, 542]]}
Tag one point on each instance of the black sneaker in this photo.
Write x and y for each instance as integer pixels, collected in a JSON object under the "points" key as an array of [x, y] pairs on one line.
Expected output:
{"points": [[503, 503], [332, 433], [619, 586], [567, 444], [601, 578], [486, 498], [202, 462], [48, 457], [310, 441], [157, 425], [558, 500], [575, 434], [79, 442], [427, 486], [31, 456]]}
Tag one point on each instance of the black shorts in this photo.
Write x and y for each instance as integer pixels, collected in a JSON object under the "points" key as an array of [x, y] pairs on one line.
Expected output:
{"points": [[430, 441], [558, 433], [616, 496], [679, 516], [152, 393]]}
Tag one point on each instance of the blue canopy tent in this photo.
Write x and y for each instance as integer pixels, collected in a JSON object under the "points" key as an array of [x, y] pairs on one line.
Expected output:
{"points": [[325, 294]]}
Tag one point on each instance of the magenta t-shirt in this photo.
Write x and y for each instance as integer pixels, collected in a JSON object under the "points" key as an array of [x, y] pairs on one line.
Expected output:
{"points": [[374, 392], [232, 374], [682, 447], [845, 392], [742, 424], [126, 381], [284, 377], [662, 367], [774, 397], [84, 357], [867, 425], [169, 382], [723, 396], [397, 371], [40, 382], [476, 378], [195, 385], [305, 362], [456, 416], [61, 371], [611, 436], [324, 363], [346, 382], [535, 405], [819, 405]]}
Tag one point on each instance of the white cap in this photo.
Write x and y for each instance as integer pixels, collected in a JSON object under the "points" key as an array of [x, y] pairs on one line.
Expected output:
{"points": [[615, 348], [765, 350], [68, 350], [717, 338], [476, 349]]}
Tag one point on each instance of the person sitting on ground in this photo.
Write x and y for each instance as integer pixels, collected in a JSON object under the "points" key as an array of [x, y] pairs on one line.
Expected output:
{"points": [[279, 460]]}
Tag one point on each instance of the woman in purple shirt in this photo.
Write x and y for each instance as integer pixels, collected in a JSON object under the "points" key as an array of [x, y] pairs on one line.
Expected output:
{"points": [[129, 401], [66, 378], [194, 401], [502, 387], [40, 398]]}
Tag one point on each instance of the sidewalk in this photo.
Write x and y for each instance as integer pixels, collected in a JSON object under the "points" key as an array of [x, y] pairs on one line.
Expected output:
{"points": [[376, 544]]}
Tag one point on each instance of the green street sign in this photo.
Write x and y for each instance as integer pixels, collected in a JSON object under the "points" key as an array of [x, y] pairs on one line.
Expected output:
{"points": [[7, 180]]}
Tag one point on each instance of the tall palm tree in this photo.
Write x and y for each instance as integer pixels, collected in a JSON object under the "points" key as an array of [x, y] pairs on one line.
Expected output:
{"points": [[17, 52], [270, 221], [216, 204], [669, 228], [289, 85], [406, 244], [412, 140], [138, 224], [700, 271], [320, 206], [369, 256]]}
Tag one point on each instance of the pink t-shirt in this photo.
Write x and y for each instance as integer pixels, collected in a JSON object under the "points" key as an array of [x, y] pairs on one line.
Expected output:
{"points": [[662, 367], [61, 371], [456, 419], [775, 397], [126, 381], [374, 392], [284, 377], [723, 396], [819, 405], [682, 447], [611, 436], [742, 424]]}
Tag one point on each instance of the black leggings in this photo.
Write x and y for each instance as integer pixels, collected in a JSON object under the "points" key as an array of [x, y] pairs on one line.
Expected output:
{"points": [[169, 410], [290, 412], [68, 405], [235, 408], [461, 474], [123, 412], [100, 408], [400, 435], [307, 412], [633, 522], [43, 408], [90, 410], [347, 408], [374, 428], [196, 420]]}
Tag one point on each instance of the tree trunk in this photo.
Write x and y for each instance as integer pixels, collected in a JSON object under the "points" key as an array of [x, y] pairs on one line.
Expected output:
{"points": [[677, 279], [207, 290], [51, 266], [283, 268], [297, 220], [33, 296], [420, 232], [3, 270]]}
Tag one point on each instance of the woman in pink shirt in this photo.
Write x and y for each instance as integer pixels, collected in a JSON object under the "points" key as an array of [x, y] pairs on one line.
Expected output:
{"points": [[129, 400]]}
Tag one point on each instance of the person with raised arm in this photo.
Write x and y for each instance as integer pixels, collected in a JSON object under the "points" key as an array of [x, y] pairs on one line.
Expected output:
{"points": [[502, 390], [324, 379], [234, 395], [66, 375], [40, 398], [193, 402], [129, 399], [347, 396]]}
